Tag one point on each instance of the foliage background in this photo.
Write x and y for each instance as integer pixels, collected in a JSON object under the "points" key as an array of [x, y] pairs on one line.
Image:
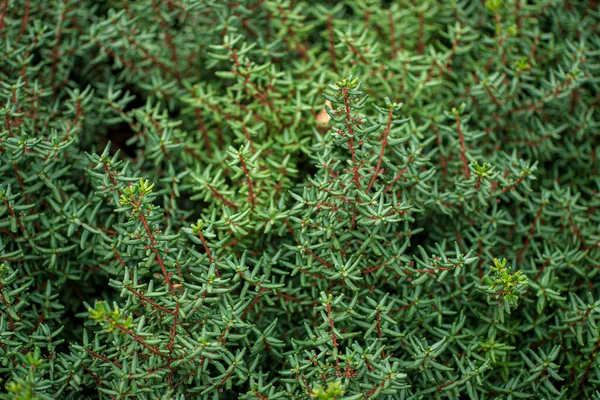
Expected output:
{"points": [[275, 255]]}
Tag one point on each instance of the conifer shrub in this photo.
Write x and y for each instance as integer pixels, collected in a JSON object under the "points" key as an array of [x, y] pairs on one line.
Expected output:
{"points": [[293, 200]]}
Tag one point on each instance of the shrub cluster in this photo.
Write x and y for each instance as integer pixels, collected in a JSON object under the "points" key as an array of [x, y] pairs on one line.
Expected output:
{"points": [[291, 199]]}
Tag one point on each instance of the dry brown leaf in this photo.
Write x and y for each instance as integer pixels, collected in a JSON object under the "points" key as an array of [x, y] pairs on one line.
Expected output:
{"points": [[322, 117]]}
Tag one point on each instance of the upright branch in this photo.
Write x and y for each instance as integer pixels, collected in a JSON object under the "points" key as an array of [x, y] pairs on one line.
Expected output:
{"points": [[463, 147], [384, 143]]}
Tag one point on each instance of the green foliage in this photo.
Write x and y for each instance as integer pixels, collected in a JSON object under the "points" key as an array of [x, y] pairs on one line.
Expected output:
{"points": [[504, 285], [333, 392], [284, 199]]}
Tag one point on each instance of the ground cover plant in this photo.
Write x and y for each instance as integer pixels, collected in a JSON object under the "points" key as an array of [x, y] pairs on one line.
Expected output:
{"points": [[289, 199]]}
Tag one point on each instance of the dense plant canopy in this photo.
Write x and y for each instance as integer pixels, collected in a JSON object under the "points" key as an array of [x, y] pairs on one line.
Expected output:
{"points": [[291, 199]]}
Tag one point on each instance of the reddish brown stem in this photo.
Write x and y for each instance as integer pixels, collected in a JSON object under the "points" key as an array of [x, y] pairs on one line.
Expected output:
{"points": [[542, 269], [204, 131], [393, 35], [331, 42], [3, 17], [463, 148], [153, 243], [384, 142], [251, 197], [25, 19], [144, 299], [531, 229]]}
